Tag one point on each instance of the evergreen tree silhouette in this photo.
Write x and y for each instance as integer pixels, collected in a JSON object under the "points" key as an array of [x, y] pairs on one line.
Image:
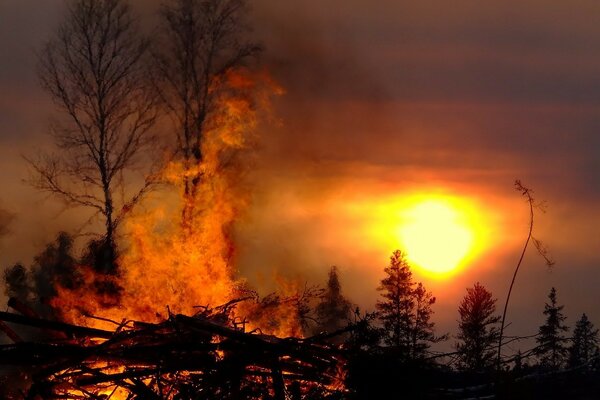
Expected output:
{"points": [[551, 350], [333, 311], [585, 343], [405, 310], [477, 329]]}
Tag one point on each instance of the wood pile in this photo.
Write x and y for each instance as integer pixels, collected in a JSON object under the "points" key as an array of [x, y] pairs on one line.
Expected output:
{"points": [[204, 356]]}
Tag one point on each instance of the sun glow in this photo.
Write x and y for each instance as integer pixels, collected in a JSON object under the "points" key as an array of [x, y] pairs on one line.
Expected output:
{"points": [[440, 233]]}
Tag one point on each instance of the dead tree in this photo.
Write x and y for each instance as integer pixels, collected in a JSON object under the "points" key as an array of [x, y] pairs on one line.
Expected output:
{"points": [[201, 42], [528, 195], [94, 70]]}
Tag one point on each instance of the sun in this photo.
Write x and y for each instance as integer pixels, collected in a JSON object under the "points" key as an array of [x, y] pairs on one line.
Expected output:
{"points": [[439, 233]]}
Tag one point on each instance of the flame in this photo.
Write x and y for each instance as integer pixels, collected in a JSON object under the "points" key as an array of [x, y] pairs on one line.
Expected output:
{"points": [[279, 313], [173, 266], [163, 265]]}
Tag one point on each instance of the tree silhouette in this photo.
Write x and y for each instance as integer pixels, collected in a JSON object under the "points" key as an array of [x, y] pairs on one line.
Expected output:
{"points": [[477, 329], [17, 282], [366, 335], [405, 310], [333, 311], [422, 331], [201, 42], [551, 350], [520, 365], [527, 193], [585, 343], [395, 309], [94, 71], [54, 266]]}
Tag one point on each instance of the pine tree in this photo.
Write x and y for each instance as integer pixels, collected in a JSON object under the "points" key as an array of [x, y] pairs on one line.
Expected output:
{"points": [[395, 308], [585, 343], [422, 330], [551, 350], [477, 330], [333, 311], [405, 310], [518, 367]]}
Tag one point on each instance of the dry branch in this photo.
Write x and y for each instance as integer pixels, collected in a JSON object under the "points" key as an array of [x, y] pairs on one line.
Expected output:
{"points": [[171, 359]]}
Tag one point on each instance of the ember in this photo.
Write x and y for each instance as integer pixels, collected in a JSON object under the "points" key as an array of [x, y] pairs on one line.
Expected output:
{"points": [[180, 357]]}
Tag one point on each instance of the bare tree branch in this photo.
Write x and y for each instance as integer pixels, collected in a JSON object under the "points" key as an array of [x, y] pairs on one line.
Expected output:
{"points": [[202, 42], [528, 194], [94, 70]]}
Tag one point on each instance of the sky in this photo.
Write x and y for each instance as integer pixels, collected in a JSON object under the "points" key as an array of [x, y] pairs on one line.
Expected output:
{"points": [[382, 101]]}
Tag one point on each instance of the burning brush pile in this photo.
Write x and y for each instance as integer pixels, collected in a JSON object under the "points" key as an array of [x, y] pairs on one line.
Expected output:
{"points": [[207, 355], [173, 321], [162, 313], [123, 321]]}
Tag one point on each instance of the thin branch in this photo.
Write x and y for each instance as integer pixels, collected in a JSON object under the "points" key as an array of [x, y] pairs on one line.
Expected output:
{"points": [[528, 194]]}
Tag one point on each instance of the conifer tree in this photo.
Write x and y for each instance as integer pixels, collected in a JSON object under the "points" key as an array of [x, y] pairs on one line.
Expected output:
{"points": [[422, 329], [477, 329], [551, 350], [395, 308], [585, 343], [519, 366], [405, 310], [333, 311]]}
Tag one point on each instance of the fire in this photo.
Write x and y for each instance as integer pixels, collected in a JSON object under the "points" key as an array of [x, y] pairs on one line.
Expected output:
{"points": [[280, 314], [178, 260], [173, 266]]}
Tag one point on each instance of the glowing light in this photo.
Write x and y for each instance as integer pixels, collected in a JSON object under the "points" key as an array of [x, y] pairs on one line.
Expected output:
{"points": [[166, 266], [439, 233]]}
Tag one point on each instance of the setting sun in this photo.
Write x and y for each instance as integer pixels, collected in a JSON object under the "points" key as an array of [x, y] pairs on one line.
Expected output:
{"points": [[437, 234], [441, 233]]}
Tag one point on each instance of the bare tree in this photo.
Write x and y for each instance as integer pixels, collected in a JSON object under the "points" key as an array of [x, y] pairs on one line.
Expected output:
{"points": [[202, 42], [539, 246], [94, 70]]}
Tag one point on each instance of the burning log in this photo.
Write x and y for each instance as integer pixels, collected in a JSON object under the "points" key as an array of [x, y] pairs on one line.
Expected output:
{"points": [[14, 336], [21, 307], [54, 325], [181, 357]]}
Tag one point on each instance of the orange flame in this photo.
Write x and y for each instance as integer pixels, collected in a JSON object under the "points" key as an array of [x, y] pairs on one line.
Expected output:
{"points": [[163, 266]]}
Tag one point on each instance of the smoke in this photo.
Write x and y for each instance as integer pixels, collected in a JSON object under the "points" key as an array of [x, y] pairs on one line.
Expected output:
{"points": [[7, 220]]}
